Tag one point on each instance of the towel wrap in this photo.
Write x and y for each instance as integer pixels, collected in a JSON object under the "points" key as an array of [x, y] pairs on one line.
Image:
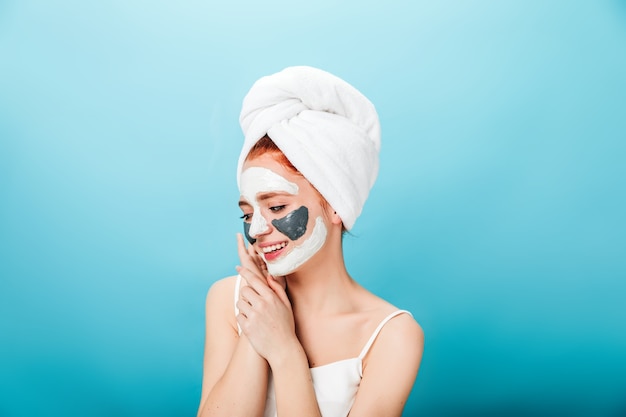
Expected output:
{"points": [[327, 129]]}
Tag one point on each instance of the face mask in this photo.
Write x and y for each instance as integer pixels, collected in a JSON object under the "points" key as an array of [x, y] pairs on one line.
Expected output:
{"points": [[257, 180]]}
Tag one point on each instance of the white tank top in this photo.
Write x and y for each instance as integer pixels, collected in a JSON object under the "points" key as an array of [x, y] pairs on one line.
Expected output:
{"points": [[336, 383]]}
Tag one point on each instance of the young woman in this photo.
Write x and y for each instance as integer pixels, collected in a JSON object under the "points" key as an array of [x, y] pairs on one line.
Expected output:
{"points": [[293, 334]]}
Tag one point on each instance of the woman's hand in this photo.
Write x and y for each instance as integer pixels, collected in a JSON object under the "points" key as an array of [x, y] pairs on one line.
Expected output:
{"points": [[265, 313], [253, 261]]}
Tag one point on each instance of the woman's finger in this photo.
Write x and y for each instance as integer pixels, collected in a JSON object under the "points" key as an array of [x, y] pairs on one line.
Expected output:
{"points": [[250, 296], [255, 282], [279, 279], [244, 295], [279, 290], [258, 260], [251, 251], [244, 307], [242, 251], [247, 260]]}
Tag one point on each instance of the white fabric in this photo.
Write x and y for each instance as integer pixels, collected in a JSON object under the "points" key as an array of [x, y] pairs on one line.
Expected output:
{"points": [[327, 129], [336, 383]]}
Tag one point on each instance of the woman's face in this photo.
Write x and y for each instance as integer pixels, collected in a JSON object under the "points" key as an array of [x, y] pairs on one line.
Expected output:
{"points": [[282, 213]]}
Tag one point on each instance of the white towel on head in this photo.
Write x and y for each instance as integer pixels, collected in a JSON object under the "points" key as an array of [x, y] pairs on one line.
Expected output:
{"points": [[326, 128]]}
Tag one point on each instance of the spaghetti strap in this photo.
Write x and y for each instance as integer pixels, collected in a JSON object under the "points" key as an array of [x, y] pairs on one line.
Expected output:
{"points": [[369, 343], [237, 286]]}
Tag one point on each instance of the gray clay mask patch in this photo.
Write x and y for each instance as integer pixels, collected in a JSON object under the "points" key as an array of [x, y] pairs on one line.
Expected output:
{"points": [[246, 233], [292, 225]]}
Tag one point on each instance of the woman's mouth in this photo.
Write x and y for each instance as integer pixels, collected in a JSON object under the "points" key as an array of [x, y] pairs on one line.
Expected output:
{"points": [[273, 251]]}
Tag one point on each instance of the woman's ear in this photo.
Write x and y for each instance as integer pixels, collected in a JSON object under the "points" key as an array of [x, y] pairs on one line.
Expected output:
{"points": [[335, 219]]}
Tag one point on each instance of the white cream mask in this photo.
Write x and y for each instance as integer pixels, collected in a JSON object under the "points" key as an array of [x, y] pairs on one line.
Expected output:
{"points": [[301, 253], [255, 180]]}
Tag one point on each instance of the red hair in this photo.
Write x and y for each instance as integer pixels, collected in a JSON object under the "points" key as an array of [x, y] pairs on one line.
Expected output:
{"points": [[267, 145]]}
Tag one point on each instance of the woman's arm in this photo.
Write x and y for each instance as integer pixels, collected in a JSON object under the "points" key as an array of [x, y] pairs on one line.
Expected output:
{"points": [[390, 369], [266, 318], [234, 379], [295, 395]]}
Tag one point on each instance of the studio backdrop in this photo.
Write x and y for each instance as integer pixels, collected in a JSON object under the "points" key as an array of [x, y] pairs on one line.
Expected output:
{"points": [[497, 218]]}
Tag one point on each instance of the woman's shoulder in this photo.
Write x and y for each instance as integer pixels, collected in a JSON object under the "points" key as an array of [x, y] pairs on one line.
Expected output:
{"points": [[396, 323], [390, 361], [403, 325], [399, 335], [223, 285], [221, 296], [381, 307]]}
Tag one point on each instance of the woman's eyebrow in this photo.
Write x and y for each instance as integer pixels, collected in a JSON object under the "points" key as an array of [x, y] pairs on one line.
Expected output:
{"points": [[267, 196]]}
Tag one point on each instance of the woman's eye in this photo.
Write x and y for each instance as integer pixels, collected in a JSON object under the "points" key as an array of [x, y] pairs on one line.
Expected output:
{"points": [[246, 217], [276, 209]]}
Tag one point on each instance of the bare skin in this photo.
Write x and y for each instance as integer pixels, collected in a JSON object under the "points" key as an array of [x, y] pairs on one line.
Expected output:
{"points": [[314, 316]]}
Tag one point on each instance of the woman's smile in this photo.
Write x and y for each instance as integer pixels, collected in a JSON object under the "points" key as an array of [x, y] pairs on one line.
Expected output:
{"points": [[272, 251]]}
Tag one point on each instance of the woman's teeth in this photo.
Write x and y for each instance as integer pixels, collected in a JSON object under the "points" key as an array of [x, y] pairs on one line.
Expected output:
{"points": [[273, 248]]}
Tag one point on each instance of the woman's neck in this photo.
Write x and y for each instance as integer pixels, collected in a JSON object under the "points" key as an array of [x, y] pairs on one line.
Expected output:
{"points": [[322, 285]]}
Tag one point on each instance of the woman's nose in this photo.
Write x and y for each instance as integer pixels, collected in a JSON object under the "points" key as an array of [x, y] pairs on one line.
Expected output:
{"points": [[258, 225]]}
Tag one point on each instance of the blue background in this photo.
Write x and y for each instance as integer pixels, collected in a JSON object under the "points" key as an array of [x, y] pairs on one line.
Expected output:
{"points": [[497, 218]]}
